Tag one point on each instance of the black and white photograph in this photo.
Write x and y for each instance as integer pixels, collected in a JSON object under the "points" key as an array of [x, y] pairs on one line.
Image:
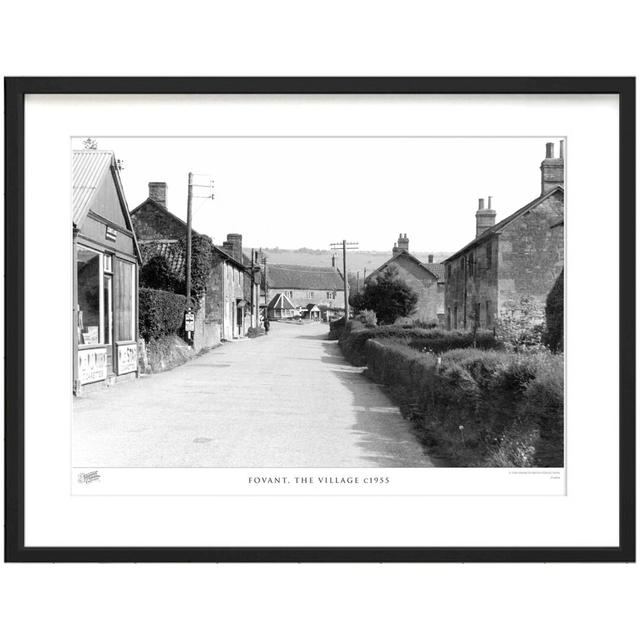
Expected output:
{"points": [[318, 302]]}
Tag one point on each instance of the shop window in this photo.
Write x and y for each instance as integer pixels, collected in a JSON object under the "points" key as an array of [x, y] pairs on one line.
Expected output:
{"points": [[124, 307], [89, 275]]}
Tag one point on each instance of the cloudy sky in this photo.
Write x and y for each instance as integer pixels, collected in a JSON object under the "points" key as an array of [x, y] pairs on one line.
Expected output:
{"points": [[309, 192]]}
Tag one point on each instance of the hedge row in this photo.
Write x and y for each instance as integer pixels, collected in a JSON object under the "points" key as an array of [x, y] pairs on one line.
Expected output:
{"points": [[510, 406], [161, 313], [355, 336]]}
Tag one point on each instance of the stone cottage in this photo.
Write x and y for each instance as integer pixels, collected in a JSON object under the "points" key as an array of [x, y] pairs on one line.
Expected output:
{"points": [[230, 302], [520, 256], [426, 279]]}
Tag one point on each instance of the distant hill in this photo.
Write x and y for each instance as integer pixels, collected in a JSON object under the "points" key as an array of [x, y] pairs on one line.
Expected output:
{"points": [[356, 260]]}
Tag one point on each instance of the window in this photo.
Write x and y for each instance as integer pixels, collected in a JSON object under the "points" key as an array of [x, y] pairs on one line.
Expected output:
{"points": [[489, 255], [89, 274], [455, 317], [449, 271], [124, 308]]}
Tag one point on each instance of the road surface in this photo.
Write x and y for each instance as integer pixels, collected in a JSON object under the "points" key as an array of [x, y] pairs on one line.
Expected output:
{"points": [[288, 399]]}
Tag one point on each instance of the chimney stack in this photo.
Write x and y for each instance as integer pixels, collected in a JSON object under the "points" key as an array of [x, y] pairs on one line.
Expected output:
{"points": [[430, 258], [485, 218], [552, 169], [403, 242], [233, 245], [158, 192]]}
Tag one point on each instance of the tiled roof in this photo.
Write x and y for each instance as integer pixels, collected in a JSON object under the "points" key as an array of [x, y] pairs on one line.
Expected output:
{"points": [[280, 276], [435, 272], [280, 301], [172, 251], [503, 223], [436, 268], [88, 171]]}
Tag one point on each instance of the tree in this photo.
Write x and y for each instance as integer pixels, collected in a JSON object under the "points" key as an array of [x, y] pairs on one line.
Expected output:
{"points": [[388, 295]]}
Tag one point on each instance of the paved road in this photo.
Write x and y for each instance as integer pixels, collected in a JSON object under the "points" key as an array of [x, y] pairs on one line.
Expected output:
{"points": [[288, 399]]}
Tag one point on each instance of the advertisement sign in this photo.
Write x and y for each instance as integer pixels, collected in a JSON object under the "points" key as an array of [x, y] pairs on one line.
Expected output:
{"points": [[127, 358], [189, 321], [92, 365]]}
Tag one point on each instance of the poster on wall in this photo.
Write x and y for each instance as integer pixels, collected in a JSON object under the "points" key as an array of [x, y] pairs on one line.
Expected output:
{"points": [[400, 353], [92, 365], [127, 358]]}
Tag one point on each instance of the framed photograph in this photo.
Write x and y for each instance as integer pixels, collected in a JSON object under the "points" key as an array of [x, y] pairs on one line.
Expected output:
{"points": [[320, 319]]}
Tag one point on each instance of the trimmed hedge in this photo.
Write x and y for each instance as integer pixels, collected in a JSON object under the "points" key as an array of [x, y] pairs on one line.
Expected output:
{"points": [[511, 406], [336, 328], [161, 313], [355, 336]]}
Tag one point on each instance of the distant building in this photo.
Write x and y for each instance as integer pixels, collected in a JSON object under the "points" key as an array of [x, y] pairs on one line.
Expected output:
{"points": [[105, 280], [281, 308], [303, 285], [231, 300], [520, 256], [426, 279]]}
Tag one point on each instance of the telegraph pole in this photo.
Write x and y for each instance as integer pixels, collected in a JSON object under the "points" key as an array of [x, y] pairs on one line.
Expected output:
{"points": [[188, 265], [266, 283], [345, 247]]}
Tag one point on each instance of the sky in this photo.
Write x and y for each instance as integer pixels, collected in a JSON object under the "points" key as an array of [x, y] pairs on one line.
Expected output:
{"points": [[310, 192]]}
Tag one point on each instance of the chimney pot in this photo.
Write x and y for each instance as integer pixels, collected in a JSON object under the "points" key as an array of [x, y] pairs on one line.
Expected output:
{"points": [[430, 258], [562, 149], [489, 202], [480, 204], [549, 149]]}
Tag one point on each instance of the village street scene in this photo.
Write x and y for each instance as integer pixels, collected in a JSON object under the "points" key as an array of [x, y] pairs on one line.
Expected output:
{"points": [[242, 326]]}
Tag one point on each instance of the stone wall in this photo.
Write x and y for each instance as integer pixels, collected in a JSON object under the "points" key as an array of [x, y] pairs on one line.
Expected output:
{"points": [[522, 260], [530, 253]]}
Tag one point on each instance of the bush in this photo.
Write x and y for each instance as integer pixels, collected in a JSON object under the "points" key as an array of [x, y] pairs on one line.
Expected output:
{"points": [[336, 328], [352, 341], [554, 312], [521, 325], [510, 405], [368, 318], [156, 274], [160, 313]]}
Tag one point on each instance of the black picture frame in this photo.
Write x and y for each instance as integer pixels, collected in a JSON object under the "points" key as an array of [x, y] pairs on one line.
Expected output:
{"points": [[15, 91]]}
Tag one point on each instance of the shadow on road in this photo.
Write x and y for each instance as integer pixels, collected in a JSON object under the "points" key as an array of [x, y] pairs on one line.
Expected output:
{"points": [[387, 439]]}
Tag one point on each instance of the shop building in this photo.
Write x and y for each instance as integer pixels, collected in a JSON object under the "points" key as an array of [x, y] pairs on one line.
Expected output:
{"points": [[105, 274]]}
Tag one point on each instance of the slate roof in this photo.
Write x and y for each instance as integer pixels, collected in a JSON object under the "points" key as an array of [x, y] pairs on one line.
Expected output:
{"points": [[503, 223], [289, 276], [280, 301]]}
